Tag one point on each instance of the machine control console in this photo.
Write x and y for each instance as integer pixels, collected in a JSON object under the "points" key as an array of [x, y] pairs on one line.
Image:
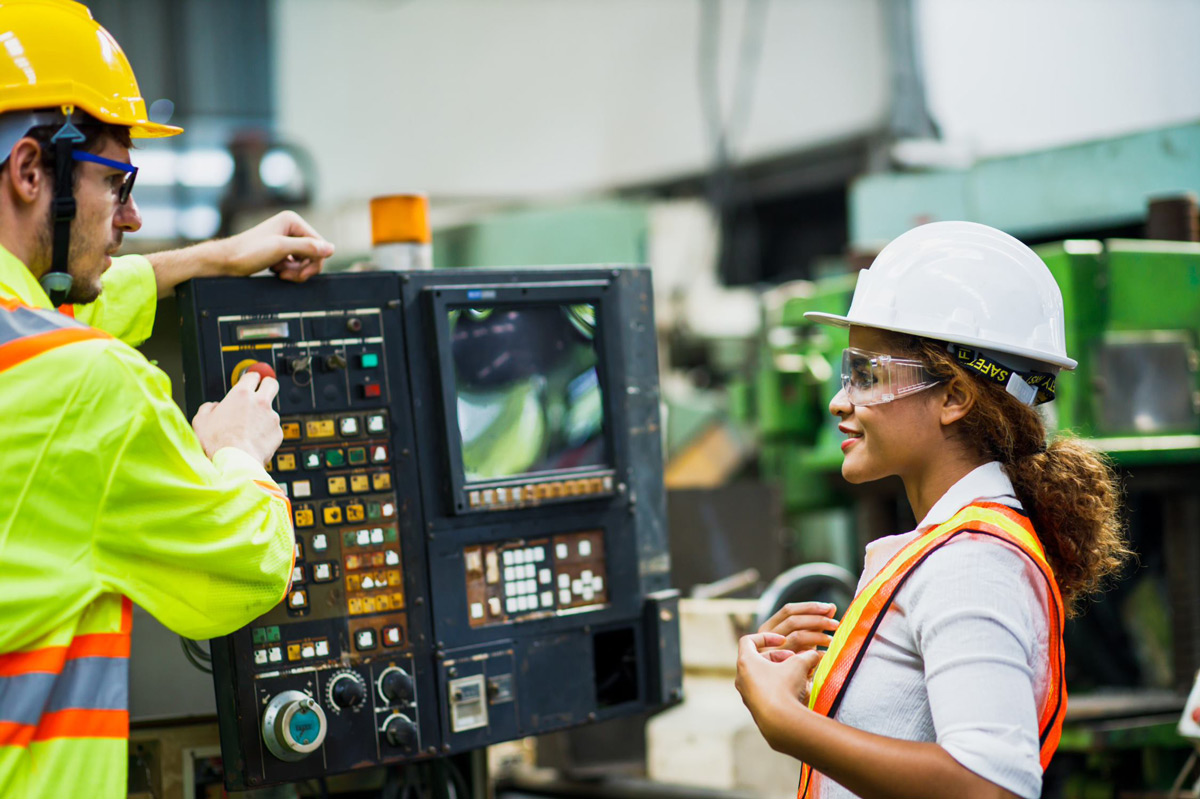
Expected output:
{"points": [[473, 462]]}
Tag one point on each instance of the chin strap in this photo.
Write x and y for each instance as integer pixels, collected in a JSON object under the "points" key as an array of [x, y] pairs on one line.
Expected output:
{"points": [[57, 282]]}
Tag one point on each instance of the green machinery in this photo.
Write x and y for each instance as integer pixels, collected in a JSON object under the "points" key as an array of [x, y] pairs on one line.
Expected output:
{"points": [[1133, 323]]}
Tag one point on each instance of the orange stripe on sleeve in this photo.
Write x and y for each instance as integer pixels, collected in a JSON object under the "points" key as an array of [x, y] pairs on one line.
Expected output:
{"points": [[13, 734], [83, 724], [23, 349]]}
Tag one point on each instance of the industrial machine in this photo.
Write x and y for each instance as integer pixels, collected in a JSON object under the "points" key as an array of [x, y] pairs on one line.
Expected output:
{"points": [[473, 460]]}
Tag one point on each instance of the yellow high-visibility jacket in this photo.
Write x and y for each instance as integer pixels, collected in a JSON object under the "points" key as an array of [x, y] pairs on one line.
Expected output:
{"points": [[106, 497]]}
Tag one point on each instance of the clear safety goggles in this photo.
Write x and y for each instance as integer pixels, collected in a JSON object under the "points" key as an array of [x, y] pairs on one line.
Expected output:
{"points": [[873, 378]]}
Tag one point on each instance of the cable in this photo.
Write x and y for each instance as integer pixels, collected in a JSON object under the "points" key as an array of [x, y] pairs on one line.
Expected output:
{"points": [[197, 657]]}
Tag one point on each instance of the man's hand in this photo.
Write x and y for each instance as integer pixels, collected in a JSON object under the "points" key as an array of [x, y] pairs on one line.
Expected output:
{"points": [[244, 419], [285, 244]]}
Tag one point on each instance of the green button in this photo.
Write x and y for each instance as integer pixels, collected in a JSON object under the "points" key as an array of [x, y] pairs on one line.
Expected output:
{"points": [[389, 534], [358, 456], [272, 635], [373, 511], [348, 538], [260, 635], [335, 457], [368, 360]]}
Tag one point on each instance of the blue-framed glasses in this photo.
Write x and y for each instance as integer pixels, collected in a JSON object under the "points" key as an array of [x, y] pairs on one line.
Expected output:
{"points": [[129, 169]]}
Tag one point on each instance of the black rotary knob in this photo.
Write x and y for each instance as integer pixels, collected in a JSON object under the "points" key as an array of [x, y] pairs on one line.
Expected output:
{"points": [[347, 691], [400, 732], [396, 685]]}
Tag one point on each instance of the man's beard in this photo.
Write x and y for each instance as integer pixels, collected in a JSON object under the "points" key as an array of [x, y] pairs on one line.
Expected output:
{"points": [[82, 291]]}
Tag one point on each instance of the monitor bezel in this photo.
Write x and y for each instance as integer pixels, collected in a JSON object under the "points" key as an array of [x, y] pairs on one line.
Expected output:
{"points": [[444, 298]]}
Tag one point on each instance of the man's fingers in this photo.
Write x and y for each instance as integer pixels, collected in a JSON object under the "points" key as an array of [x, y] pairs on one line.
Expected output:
{"points": [[779, 655], [249, 381], [291, 223], [268, 389], [303, 247]]}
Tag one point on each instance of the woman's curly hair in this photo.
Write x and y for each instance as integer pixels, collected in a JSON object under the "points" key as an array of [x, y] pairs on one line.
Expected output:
{"points": [[1069, 491]]}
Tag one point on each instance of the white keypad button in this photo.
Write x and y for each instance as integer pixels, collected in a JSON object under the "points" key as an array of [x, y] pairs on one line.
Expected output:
{"points": [[322, 649], [508, 557], [301, 489], [260, 657], [544, 577], [564, 597], [377, 535], [585, 548], [561, 551], [476, 610], [275, 654], [392, 558], [319, 542], [510, 604], [564, 580], [547, 599]]}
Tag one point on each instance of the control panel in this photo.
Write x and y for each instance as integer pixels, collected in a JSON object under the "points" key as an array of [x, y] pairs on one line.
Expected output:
{"points": [[474, 467]]}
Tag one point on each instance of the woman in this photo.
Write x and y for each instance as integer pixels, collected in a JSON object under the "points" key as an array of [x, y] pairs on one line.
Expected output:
{"points": [[945, 676]]}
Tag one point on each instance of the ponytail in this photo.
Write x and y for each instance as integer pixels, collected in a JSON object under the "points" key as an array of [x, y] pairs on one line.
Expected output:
{"points": [[1069, 491]]}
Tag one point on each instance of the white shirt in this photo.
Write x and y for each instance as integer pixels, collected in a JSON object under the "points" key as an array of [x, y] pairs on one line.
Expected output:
{"points": [[961, 656]]}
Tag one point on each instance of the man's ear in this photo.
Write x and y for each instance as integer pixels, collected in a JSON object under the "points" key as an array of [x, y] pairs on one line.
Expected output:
{"points": [[958, 402], [24, 170]]}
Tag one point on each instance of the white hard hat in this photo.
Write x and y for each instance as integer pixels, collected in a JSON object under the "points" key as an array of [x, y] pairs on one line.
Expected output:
{"points": [[967, 284]]}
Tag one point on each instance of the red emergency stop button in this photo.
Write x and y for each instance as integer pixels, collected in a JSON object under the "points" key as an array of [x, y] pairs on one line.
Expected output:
{"points": [[371, 390], [251, 365]]}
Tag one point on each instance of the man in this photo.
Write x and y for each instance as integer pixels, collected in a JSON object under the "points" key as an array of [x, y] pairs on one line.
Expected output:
{"points": [[107, 496]]}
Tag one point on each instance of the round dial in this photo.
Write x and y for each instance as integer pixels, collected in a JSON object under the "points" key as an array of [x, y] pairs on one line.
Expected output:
{"points": [[399, 731], [395, 685], [293, 726], [346, 690]]}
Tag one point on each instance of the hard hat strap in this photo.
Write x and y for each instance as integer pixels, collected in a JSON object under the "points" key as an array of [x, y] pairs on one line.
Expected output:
{"points": [[57, 282], [1031, 387]]}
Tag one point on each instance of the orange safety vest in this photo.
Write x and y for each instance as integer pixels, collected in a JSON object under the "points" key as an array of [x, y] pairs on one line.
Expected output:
{"points": [[862, 619]]}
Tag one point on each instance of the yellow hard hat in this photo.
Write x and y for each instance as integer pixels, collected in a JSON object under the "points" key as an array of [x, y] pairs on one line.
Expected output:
{"points": [[54, 55]]}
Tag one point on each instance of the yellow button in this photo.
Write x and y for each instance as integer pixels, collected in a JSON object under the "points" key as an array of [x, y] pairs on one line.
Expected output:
{"points": [[381, 481], [286, 461], [320, 428], [368, 605], [337, 485], [541, 490], [383, 602], [304, 516], [291, 431], [332, 514], [355, 513], [360, 483], [293, 651], [355, 607], [398, 601], [353, 582], [393, 577]]}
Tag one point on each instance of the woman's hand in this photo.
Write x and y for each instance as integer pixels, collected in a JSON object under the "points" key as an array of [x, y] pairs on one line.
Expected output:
{"points": [[805, 625], [770, 677]]}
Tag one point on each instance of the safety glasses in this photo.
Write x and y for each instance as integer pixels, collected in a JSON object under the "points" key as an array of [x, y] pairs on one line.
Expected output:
{"points": [[873, 378], [126, 187]]}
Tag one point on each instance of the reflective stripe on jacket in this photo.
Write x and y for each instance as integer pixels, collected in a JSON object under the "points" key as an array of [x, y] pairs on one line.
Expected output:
{"points": [[862, 618], [106, 497]]}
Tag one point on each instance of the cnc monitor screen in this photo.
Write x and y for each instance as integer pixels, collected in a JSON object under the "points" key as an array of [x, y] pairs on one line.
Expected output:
{"points": [[527, 389]]}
